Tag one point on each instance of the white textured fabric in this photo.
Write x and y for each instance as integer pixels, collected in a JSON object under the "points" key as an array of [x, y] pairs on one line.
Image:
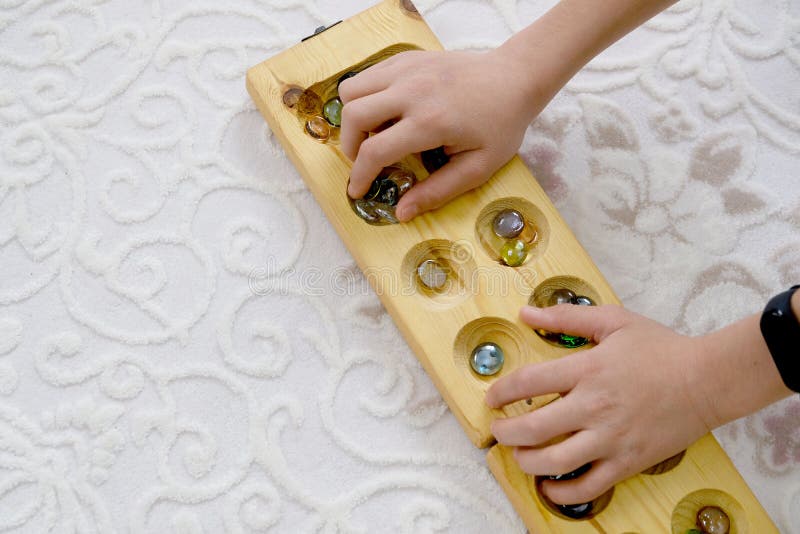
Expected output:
{"points": [[146, 385]]}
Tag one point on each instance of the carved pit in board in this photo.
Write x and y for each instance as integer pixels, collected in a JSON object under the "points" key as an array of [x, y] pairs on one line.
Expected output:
{"points": [[457, 260], [541, 295], [667, 465], [490, 330], [598, 505], [684, 516], [491, 243], [321, 92]]}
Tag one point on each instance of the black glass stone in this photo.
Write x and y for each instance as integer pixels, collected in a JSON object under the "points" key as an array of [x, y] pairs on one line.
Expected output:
{"points": [[434, 159], [344, 77], [383, 190], [572, 474], [576, 511]]}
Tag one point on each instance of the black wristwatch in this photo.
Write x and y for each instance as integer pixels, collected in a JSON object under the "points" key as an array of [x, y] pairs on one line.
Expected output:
{"points": [[781, 330]]}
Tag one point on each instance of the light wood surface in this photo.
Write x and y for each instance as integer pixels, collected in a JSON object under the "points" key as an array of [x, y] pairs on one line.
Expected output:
{"points": [[484, 301]]}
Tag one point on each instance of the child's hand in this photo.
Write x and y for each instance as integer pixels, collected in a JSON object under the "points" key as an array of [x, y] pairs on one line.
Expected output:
{"points": [[629, 402], [476, 105]]}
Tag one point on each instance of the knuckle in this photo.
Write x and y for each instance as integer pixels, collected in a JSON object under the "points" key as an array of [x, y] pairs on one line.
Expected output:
{"points": [[600, 404], [371, 151], [589, 489], [533, 430], [422, 87], [558, 462], [526, 461]]}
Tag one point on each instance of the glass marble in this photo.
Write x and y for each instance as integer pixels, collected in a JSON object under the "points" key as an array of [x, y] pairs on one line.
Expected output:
{"points": [[385, 191], [309, 103], [572, 342], [694, 531], [508, 224], [572, 474], [514, 252], [408, 5], [434, 159], [318, 128], [333, 111], [386, 213], [432, 274], [487, 359], [366, 210], [583, 301], [292, 96], [712, 520], [404, 180], [345, 77], [561, 296], [576, 511], [528, 234]]}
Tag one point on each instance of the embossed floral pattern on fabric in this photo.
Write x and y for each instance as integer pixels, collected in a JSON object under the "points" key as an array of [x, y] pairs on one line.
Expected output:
{"points": [[177, 351]]}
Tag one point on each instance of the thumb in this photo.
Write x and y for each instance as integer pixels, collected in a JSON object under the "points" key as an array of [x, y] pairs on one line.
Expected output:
{"points": [[465, 171], [592, 322]]}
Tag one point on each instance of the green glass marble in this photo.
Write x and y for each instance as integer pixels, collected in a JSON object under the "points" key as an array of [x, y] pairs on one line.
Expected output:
{"points": [[514, 252], [693, 531], [572, 342], [333, 111]]}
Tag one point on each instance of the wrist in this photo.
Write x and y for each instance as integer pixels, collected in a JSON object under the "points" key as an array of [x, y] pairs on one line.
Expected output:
{"points": [[558, 44], [735, 373]]}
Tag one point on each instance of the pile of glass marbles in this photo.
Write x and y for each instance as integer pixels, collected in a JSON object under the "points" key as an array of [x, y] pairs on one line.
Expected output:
{"points": [[518, 234], [566, 296], [322, 118], [378, 205], [711, 520]]}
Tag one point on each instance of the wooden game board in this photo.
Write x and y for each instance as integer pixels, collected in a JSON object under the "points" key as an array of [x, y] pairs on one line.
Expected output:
{"points": [[483, 301]]}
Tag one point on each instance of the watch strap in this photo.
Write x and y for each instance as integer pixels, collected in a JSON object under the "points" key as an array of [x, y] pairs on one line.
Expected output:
{"points": [[781, 330]]}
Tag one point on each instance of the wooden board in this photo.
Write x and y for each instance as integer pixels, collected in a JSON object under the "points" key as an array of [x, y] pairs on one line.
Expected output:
{"points": [[483, 301]]}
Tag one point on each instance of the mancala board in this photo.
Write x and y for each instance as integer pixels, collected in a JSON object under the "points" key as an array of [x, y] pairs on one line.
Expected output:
{"points": [[470, 297]]}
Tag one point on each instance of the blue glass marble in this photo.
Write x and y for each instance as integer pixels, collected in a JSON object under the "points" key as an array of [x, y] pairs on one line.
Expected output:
{"points": [[487, 359]]}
